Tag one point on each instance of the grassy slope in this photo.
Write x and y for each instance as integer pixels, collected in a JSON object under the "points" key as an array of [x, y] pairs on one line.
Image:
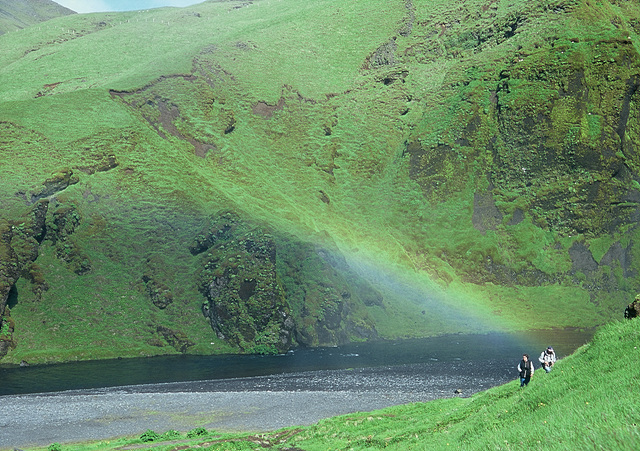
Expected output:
{"points": [[154, 170], [319, 58], [587, 402], [17, 15]]}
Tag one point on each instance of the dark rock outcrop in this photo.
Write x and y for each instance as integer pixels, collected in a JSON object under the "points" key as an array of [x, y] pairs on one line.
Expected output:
{"points": [[328, 298], [633, 309], [19, 242], [153, 278], [265, 293], [65, 220], [159, 293], [486, 215], [58, 182], [177, 339], [245, 301]]}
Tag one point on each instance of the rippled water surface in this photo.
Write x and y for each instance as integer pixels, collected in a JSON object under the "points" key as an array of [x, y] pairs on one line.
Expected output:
{"points": [[482, 360]]}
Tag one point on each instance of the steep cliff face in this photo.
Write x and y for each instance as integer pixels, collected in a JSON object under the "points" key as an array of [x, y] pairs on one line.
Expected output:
{"points": [[547, 140], [266, 293], [312, 173]]}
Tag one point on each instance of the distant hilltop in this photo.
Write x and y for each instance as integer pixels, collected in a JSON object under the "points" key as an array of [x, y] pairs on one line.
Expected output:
{"points": [[18, 14]]}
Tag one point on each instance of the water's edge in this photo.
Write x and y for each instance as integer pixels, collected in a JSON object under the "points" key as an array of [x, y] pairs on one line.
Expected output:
{"points": [[476, 349]]}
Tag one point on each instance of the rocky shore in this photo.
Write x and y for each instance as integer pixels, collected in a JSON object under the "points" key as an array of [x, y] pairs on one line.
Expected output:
{"points": [[246, 404]]}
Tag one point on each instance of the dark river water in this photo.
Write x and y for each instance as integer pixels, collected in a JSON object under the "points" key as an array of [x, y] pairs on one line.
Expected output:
{"points": [[492, 355], [98, 400]]}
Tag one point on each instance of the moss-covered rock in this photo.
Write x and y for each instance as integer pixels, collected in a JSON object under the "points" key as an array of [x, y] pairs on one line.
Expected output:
{"points": [[60, 229], [176, 339], [328, 299], [153, 278], [548, 136], [54, 184], [19, 243], [245, 301], [269, 292]]}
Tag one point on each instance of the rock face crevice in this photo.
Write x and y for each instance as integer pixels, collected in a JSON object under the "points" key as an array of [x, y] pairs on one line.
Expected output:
{"points": [[633, 84], [53, 185]]}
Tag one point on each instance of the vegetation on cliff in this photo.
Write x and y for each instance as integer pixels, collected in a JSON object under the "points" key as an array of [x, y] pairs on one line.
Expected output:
{"points": [[396, 168]]}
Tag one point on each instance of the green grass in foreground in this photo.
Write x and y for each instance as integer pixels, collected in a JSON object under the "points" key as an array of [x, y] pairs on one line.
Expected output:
{"points": [[589, 401]]}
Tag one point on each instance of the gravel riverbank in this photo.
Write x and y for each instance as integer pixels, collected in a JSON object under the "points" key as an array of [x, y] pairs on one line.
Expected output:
{"points": [[248, 404]]}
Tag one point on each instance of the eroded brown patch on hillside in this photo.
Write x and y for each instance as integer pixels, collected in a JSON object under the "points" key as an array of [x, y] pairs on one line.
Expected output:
{"points": [[47, 89], [168, 113], [265, 110]]}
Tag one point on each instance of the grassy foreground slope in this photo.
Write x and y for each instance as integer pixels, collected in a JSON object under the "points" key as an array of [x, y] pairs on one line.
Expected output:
{"points": [[587, 402], [361, 168]]}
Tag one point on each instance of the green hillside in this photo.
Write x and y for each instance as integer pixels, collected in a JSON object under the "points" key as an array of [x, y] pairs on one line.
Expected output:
{"points": [[588, 401], [248, 176], [16, 15]]}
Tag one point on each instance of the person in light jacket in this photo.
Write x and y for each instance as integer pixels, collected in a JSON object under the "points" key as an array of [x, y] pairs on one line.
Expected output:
{"points": [[547, 358], [525, 369]]}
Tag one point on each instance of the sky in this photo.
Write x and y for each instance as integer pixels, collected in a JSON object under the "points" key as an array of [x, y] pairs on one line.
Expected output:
{"points": [[91, 6]]}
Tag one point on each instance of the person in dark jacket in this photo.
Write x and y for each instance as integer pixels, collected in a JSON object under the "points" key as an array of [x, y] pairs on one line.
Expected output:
{"points": [[526, 369]]}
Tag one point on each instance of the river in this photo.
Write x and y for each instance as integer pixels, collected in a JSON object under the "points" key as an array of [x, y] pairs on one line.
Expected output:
{"points": [[103, 399], [504, 349]]}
